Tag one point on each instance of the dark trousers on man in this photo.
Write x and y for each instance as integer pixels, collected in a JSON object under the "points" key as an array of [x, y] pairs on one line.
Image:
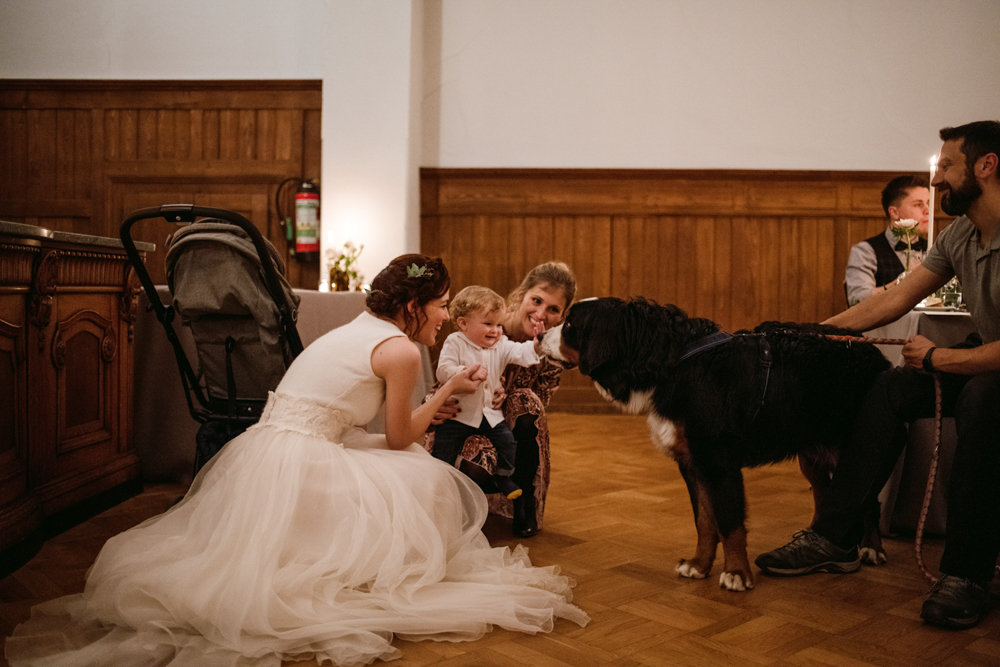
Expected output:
{"points": [[449, 438], [900, 396]]}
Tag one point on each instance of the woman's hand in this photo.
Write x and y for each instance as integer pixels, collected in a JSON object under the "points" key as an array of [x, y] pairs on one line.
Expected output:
{"points": [[464, 381], [447, 411]]}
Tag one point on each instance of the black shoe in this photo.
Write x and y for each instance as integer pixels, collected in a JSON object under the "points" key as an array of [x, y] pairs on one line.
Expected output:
{"points": [[525, 523], [478, 474], [955, 602], [808, 552], [506, 486]]}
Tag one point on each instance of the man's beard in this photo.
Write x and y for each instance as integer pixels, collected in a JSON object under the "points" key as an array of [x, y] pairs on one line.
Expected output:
{"points": [[956, 201]]}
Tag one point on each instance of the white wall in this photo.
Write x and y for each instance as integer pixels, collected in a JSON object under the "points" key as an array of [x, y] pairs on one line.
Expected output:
{"points": [[161, 39], [371, 110], [773, 84]]}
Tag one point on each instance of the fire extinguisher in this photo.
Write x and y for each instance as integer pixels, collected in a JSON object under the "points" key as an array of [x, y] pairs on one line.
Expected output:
{"points": [[307, 222]]}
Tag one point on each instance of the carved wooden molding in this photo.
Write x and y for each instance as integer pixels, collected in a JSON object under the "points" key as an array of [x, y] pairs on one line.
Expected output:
{"points": [[71, 326], [42, 290], [129, 301], [17, 262], [91, 268], [13, 332]]}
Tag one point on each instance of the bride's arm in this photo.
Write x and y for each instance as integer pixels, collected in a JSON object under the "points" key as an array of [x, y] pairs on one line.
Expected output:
{"points": [[397, 361]]}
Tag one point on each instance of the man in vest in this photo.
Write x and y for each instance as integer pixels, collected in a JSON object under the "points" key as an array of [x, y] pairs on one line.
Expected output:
{"points": [[875, 263]]}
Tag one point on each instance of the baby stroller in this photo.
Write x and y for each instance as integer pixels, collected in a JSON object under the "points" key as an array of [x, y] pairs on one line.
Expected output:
{"points": [[228, 286]]}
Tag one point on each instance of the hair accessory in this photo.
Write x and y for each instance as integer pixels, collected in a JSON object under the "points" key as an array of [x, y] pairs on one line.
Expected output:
{"points": [[414, 271], [369, 291]]}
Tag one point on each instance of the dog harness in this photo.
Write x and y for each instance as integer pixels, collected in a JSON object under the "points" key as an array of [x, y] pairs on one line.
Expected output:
{"points": [[720, 338]]}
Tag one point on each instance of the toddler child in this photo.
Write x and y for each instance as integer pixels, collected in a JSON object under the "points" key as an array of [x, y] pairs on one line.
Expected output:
{"points": [[479, 313]]}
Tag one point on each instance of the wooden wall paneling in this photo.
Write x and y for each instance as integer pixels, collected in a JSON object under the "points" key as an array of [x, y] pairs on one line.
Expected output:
{"points": [[722, 274], [739, 247], [66, 145], [211, 124], [18, 141]]}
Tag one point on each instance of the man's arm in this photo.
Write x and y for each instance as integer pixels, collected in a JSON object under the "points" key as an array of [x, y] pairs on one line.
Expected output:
{"points": [[962, 361], [860, 276], [889, 306]]}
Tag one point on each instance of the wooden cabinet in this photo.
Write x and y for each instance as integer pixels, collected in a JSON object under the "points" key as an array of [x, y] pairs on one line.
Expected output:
{"points": [[67, 310]]}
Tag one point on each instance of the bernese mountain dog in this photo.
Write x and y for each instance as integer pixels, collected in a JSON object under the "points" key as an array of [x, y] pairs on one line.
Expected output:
{"points": [[719, 402]]}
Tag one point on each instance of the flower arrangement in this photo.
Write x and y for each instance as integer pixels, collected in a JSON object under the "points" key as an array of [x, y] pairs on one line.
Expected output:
{"points": [[905, 230], [343, 267]]}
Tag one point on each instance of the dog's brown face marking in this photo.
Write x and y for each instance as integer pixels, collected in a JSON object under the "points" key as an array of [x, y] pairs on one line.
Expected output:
{"points": [[568, 354]]}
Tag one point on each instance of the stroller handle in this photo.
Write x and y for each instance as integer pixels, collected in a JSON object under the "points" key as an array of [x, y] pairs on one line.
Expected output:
{"points": [[179, 213]]}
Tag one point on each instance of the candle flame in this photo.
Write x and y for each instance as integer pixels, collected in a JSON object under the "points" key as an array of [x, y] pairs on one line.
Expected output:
{"points": [[934, 162]]}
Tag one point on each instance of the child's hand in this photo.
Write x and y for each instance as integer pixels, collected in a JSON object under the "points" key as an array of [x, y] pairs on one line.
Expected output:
{"points": [[480, 374], [463, 382], [537, 328]]}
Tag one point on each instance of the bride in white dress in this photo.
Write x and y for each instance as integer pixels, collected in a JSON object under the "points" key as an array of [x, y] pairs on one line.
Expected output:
{"points": [[308, 537]]}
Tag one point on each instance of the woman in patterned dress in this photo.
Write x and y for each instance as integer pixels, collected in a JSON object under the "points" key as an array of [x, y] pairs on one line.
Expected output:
{"points": [[543, 296]]}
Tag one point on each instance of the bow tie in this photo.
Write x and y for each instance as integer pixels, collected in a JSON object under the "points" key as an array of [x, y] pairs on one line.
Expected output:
{"points": [[920, 245]]}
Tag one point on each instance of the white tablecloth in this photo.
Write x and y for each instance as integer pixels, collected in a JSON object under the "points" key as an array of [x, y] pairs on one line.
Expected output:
{"points": [[903, 495], [164, 431]]}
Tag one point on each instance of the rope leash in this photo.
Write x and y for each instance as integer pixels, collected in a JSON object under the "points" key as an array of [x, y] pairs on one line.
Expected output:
{"points": [[932, 475]]}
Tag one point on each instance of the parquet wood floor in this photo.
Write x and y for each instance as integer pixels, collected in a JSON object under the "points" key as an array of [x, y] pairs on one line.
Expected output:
{"points": [[618, 520]]}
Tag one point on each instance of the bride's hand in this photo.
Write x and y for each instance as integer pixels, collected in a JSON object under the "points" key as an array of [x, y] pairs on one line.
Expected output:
{"points": [[463, 382]]}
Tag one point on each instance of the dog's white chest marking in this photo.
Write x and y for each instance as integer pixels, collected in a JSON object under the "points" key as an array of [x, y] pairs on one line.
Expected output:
{"points": [[639, 402], [663, 432]]}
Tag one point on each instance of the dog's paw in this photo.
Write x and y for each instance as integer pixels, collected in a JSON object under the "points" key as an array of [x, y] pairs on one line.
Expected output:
{"points": [[871, 556], [686, 569], [733, 581]]}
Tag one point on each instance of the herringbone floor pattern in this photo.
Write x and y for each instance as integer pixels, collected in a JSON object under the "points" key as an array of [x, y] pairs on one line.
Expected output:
{"points": [[618, 520]]}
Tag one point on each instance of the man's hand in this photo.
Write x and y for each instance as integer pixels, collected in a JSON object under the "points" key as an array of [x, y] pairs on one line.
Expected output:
{"points": [[915, 350], [447, 411]]}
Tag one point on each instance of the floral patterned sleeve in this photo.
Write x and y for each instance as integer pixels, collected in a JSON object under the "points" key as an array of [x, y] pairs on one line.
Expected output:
{"points": [[547, 381]]}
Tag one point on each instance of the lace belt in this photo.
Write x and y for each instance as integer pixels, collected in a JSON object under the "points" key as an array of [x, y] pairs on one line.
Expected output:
{"points": [[303, 415]]}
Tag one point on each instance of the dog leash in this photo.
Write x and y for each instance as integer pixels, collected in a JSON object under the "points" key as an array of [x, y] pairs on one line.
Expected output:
{"points": [[932, 474]]}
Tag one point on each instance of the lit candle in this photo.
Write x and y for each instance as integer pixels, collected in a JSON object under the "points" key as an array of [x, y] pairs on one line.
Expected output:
{"points": [[930, 218]]}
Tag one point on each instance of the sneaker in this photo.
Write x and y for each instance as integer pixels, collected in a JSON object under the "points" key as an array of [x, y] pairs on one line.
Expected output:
{"points": [[507, 487], [808, 552], [955, 602]]}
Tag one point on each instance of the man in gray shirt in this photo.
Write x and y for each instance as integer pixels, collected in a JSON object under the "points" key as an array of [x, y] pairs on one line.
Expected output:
{"points": [[968, 178], [875, 263]]}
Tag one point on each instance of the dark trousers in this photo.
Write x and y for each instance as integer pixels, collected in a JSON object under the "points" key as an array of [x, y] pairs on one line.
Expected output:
{"points": [[902, 395], [449, 438]]}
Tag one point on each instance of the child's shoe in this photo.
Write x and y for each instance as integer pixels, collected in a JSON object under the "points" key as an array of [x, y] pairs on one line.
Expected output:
{"points": [[506, 486]]}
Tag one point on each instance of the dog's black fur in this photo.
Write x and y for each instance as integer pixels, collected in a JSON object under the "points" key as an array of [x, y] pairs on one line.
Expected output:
{"points": [[706, 410]]}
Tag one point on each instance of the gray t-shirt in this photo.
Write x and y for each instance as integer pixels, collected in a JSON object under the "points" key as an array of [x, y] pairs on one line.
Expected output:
{"points": [[956, 252]]}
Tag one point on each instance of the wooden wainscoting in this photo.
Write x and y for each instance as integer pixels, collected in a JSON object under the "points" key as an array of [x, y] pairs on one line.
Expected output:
{"points": [[737, 247], [77, 156]]}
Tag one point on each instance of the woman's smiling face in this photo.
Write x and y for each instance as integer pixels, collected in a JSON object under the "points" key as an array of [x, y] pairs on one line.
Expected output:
{"points": [[544, 304]]}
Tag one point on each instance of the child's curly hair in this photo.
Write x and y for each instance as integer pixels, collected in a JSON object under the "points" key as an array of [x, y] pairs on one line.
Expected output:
{"points": [[473, 299]]}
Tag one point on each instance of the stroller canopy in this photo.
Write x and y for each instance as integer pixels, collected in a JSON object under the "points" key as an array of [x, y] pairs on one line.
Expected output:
{"points": [[216, 279]]}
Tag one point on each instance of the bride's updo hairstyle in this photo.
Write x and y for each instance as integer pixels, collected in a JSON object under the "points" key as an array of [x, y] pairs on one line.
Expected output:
{"points": [[408, 278]]}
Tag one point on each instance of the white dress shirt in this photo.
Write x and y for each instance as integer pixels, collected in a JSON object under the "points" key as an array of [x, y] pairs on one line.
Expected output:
{"points": [[459, 353]]}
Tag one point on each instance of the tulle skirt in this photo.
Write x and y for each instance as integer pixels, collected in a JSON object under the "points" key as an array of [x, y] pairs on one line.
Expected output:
{"points": [[289, 546]]}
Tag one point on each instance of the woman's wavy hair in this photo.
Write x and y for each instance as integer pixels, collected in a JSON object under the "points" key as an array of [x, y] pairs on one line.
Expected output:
{"points": [[408, 278], [557, 275]]}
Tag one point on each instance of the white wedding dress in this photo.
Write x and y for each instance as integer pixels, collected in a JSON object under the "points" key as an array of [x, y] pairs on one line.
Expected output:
{"points": [[304, 537]]}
